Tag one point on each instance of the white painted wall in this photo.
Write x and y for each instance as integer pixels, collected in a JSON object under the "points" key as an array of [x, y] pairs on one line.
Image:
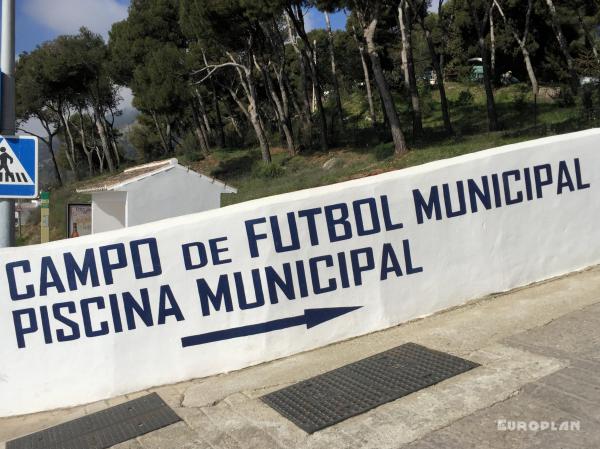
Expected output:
{"points": [[462, 258], [170, 193], [108, 211]]}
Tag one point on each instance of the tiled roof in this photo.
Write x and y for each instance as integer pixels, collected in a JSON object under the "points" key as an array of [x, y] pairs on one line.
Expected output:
{"points": [[138, 173], [128, 175]]}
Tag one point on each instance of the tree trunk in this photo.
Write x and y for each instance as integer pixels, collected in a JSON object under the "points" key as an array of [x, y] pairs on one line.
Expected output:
{"points": [[386, 96], [160, 132], [365, 67], [305, 112], [489, 91], [386, 122], [50, 143], [403, 52], [445, 27], [104, 142], [336, 86], [201, 137], [202, 134], [435, 62], [437, 66], [70, 143], [320, 108], [281, 108], [313, 105], [260, 134], [258, 128], [564, 47], [203, 113], [90, 162], [54, 163], [292, 98], [100, 156], [220, 132], [304, 87], [169, 135], [523, 43], [307, 115], [235, 126], [70, 139], [245, 76], [363, 61], [492, 44], [115, 148], [110, 132], [88, 155], [310, 57], [405, 19], [86, 150], [289, 137], [534, 82], [481, 25], [286, 123]]}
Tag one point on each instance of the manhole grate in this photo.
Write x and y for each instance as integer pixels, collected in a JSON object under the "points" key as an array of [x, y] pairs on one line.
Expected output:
{"points": [[353, 389], [103, 429]]}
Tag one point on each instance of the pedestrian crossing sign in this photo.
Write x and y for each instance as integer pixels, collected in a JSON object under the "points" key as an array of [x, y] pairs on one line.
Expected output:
{"points": [[18, 167]]}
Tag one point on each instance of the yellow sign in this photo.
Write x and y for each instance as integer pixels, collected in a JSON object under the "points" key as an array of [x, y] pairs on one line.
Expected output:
{"points": [[45, 217]]}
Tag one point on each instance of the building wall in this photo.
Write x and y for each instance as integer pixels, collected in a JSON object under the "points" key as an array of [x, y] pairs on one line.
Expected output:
{"points": [[372, 247], [108, 211], [169, 194]]}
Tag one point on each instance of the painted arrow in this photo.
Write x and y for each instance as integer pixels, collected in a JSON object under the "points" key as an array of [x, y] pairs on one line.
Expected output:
{"points": [[311, 317]]}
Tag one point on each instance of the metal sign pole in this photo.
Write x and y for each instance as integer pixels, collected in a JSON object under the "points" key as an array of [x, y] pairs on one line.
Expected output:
{"points": [[7, 66]]}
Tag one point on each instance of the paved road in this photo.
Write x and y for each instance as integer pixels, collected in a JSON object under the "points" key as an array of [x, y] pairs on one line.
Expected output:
{"points": [[539, 348]]}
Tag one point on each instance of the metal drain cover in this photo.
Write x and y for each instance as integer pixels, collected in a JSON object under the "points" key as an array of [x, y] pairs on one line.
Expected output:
{"points": [[103, 429], [353, 389]]}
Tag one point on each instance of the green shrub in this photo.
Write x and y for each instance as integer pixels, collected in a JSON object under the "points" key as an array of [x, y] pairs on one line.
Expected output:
{"points": [[520, 101], [188, 147], [465, 98], [587, 98], [383, 151], [565, 98], [195, 156], [233, 166], [427, 102], [267, 171]]}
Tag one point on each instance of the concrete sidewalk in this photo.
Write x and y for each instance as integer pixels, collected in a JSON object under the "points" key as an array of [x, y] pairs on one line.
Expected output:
{"points": [[539, 348]]}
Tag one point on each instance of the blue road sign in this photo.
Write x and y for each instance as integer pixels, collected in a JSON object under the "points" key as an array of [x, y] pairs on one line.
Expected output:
{"points": [[18, 167]]}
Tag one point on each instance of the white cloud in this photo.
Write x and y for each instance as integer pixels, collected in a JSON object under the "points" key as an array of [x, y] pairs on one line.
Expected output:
{"points": [[33, 125], [129, 113], [126, 98], [67, 16]]}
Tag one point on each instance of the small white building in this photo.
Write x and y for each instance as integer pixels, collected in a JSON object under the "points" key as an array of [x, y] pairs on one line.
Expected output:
{"points": [[151, 192]]}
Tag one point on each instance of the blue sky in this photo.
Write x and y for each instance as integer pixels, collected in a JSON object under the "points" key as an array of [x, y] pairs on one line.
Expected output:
{"points": [[42, 20], [315, 19]]}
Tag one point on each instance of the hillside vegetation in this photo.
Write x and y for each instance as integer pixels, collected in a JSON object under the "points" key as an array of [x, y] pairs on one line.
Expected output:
{"points": [[244, 169], [259, 95]]}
